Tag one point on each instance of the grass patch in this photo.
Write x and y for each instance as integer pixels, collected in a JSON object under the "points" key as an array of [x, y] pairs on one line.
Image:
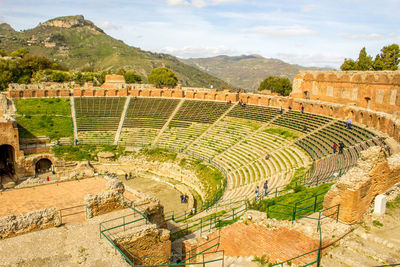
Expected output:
{"points": [[282, 207], [286, 134], [158, 154], [297, 176], [377, 223], [43, 106], [50, 126], [394, 204], [263, 260], [85, 152]]}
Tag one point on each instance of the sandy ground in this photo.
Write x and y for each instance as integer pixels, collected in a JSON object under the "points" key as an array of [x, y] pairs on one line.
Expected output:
{"points": [[58, 195], [168, 196], [69, 245]]}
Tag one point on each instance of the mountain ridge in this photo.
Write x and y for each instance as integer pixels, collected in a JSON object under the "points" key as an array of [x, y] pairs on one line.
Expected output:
{"points": [[81, 45], [246, 71]]}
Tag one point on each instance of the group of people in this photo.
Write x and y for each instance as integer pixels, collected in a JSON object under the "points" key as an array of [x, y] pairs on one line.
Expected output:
{"points": [[184, 198], [265, 187], [128, 177], [335, 147], [241, 103]]}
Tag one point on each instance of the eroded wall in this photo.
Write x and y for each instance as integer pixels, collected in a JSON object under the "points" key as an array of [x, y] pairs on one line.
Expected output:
{"points": [[376, 90], [356, 190]]}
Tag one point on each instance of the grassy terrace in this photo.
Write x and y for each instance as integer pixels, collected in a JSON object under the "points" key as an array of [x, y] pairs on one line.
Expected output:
{"points": [[149, 112], [98, 118], [257, 113], [281, 207], [200, 111], [49, 117], [181, 134], [223, 135]]}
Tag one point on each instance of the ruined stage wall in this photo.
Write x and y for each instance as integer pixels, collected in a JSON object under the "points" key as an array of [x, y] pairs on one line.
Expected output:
{"points": [[376, 90]]}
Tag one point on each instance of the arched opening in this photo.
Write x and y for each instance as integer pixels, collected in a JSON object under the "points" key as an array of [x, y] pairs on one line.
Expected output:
{"points": [[34, 93], [58, 93], [21, 94], [6, 160], [43, 166], [46, 93], [307, 94]]}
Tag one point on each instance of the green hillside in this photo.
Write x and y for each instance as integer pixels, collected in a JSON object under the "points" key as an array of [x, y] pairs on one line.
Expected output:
{"points": [[246, 71], [80, 45]]}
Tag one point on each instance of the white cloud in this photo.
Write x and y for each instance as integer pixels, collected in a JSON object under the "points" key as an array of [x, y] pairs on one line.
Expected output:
{"points": [[217, 2], [281, 31], [177, 2], [199, 3], [195, 52], [312, 60], [308, 8], [106, 25], [369, 36]]}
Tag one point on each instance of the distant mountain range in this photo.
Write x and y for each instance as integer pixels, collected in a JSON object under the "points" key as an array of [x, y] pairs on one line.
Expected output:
{"points": [[81, 45], [246, 71]]}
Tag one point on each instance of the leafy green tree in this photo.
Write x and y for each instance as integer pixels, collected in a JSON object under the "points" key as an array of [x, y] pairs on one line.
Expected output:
{"points": [[3, 53], [276, 84], [10, 72], [364, 61], [378, 63], [131, 77], [349, 64], [20, 52], [390, 57], [162, 77]]}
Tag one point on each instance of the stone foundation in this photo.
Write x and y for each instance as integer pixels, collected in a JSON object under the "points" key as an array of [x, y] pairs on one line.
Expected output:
{"points": [[106, 201], [13, 225], [142, 243], [356, 190]]}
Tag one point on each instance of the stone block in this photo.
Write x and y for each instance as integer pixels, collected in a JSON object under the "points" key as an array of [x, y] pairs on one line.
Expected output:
{"points": [[380, 204]]}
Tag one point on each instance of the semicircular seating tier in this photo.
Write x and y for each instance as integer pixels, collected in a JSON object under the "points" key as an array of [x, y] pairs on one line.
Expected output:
{"points": [[246, 143]]}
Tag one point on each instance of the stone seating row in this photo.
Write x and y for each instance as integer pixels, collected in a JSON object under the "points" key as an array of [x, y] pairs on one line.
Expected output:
{"points": [[99, 106]]}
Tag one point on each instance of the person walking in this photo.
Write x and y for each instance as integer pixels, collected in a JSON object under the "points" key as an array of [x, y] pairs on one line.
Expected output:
{"points": [[341, 146], [349, 123], [302, 108], [126, 176], [257, 192], [266, 187], [334, 148]]}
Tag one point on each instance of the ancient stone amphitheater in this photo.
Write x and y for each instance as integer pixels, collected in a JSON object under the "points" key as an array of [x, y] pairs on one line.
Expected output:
{"points": [[266, 138]]}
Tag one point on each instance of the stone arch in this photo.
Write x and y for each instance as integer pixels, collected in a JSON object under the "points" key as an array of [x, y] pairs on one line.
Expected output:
{"points": [[306, 94], [33, 93], [7, 160], [43, 163], [331, 111], [162, 93], [139, 92], [247, 99], [58, 93], [21, 94], [46, 93]]}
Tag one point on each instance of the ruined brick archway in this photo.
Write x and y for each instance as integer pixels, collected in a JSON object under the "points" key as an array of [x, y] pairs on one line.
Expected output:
{"points": [[42, 163], [7, 160]]}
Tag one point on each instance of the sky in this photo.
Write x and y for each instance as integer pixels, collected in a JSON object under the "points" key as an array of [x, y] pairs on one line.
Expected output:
{"points": [[306, 32]]}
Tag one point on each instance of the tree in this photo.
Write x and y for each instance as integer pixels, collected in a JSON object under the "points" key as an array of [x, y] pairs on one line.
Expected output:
{"points": [[20, 52], [131, 77], [349, 64], [3, 53], [378, 63], [364, 61], [162, 77], [276, 84], [390, 57]]}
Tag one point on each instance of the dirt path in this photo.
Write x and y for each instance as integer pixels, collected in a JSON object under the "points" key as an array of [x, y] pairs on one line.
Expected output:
{"points": [[168, 196]]}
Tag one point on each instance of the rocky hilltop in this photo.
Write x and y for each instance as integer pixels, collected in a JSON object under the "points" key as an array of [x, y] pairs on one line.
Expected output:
{"points": [[81, 45], [70, 22]]}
